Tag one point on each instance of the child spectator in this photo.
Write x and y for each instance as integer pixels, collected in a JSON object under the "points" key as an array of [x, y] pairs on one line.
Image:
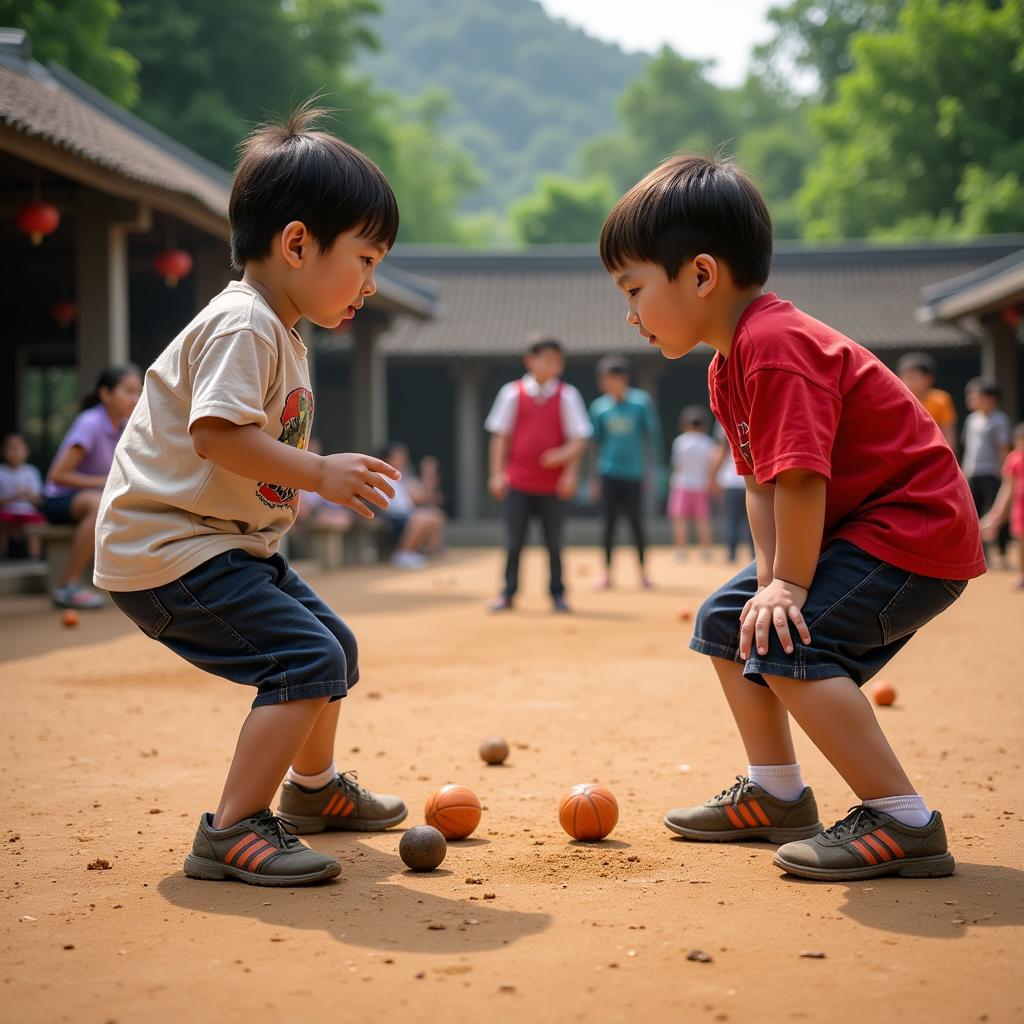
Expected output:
{"points": [[733, 493], [417, 525], [627, 448], [539, 427], [987, 432], [862, 522], [689, 499], [1009, 503], [917, 371], [79, 471], [205, 484], [21, 491]]}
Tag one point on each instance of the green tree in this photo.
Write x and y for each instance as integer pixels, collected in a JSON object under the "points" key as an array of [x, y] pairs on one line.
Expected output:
{"points": [[926, 135], [815, 36], [563, 210], [78, 37]]}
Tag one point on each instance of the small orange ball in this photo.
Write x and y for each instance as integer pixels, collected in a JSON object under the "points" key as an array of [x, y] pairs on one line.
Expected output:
{"points": [[685, 613], [588, 812], [454, 811], [883, 693], [69, 617]]}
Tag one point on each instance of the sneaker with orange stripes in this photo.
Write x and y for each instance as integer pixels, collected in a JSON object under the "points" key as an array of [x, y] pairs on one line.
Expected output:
{"points": [[261, 850], [868, 843], [747, 811], [342, 805]]}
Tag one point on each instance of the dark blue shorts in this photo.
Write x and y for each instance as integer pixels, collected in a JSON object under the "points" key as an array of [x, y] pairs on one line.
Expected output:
{"points": [[254, 621], [860, 612], [58, 510]]}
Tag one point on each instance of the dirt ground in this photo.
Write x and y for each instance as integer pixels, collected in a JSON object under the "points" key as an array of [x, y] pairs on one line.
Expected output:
{"points": [[111, 748]]}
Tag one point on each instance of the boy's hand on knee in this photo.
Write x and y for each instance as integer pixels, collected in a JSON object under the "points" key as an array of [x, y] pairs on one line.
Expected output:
{"points": [[774, 606], [357, 481]]}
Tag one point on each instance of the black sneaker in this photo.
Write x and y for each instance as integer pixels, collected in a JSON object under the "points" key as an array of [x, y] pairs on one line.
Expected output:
{"points": [[261, 850], [560, 605]]}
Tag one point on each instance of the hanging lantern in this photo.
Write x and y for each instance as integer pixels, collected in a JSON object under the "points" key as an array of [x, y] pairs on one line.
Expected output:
{"points": [[1011, 316], [172, 265], [65, 312], [38, 219]]}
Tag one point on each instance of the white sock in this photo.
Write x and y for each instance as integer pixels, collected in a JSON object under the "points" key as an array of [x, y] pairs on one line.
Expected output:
{"points": [[317, 781], [907, 810], [782, 781]]}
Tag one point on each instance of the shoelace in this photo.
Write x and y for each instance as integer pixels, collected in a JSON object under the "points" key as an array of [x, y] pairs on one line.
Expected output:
{"points": [[736, 791], [859, 818], [273, 826], [348, 780]]}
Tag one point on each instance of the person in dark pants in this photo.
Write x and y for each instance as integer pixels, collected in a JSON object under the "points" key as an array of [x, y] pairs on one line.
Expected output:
{"points": [[987, 433], [539, 428], [627, 447]]}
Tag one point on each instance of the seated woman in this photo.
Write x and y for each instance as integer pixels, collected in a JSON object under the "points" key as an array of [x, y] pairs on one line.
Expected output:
{"points": [[79, 471], [417, 523]]}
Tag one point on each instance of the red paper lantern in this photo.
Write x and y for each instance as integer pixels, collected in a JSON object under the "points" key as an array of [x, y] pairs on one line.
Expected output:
{"points": [[38, 219], [172, 265], [1012, 316], [65, 312]]}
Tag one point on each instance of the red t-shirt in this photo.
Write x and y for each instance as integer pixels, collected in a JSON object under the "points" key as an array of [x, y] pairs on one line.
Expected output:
{"points": [[795, 394]]}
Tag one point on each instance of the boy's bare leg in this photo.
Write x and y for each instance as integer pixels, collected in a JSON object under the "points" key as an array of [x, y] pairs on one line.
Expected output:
{"points": [[839, 721], [759, 715], [317, 753], [416, 533], [269, 739], [83, 509]]}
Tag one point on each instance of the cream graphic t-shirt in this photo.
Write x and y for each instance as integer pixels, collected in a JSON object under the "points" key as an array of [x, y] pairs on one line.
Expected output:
{"points": [[165, 510]]}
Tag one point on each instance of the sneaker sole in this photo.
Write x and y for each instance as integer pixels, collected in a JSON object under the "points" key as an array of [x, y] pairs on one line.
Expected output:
{"points": [[938, 866], [312, 824], [217, 871], [770, 833]]}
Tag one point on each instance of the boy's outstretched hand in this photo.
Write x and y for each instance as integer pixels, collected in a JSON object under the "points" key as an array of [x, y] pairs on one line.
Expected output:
{"points": [[774, 606], [357, 481]]}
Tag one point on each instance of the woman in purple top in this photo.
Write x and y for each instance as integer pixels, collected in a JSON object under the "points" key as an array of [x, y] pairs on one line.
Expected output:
{"points": [[79, 471]]}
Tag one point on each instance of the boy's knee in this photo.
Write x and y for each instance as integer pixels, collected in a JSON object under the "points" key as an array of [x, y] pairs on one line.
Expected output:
{"points": [[342, 650]]}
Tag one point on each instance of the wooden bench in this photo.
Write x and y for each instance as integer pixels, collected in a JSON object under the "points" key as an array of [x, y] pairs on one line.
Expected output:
{"points": [[57, 545], [364, 542]]}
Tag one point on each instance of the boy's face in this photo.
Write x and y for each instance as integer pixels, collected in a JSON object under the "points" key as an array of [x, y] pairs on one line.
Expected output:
{"points": [[918, 381], [669, 314], [330, 286], [613, 384], [15, 451], [545, 365]]}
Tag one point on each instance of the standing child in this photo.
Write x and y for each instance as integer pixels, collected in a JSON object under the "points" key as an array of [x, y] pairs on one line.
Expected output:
{"points": [[21, 491], [986, 445], [689, 499], [863, 525], [917, 371], [539, 428], [79, 471], [205, 483], [1009, 503], [627, 448]]}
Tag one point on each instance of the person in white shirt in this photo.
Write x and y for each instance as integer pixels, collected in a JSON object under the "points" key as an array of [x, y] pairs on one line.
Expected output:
{"points": [[689, 501], [539, 427], [21, 491]]}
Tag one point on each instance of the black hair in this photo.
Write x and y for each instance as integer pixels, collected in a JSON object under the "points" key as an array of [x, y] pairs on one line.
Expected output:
{"points": [[693, 416], [690, 205], [289, 172], [538, 343], [916, 361], [614, 365], [985, 386], [109, 379]]}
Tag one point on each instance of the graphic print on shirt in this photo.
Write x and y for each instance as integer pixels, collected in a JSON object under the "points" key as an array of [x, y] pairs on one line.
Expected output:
{"points": [[744, 431], [296, 421]]}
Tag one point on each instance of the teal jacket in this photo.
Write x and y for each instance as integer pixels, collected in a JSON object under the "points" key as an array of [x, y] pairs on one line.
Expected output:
{"points": [[627, 435]]}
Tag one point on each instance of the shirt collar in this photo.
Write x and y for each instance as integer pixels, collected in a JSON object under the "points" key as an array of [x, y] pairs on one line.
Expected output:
{"points": [[535, 390]]}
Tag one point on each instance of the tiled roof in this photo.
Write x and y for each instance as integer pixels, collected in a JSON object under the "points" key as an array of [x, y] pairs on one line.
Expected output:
{"points": [[52, 104], [988, 288], [491, 301]]}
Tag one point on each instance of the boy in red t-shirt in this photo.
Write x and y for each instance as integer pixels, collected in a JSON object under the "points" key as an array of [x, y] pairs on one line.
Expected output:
{"points": [[863, 525], [539, 427]]}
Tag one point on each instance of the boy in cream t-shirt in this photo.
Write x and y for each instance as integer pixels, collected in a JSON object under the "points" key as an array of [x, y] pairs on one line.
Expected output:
{"points": [[205, 482]]}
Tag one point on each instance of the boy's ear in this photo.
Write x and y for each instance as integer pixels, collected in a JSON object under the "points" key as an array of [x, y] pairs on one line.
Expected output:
{"points": [[294, 240], [706, 272]]}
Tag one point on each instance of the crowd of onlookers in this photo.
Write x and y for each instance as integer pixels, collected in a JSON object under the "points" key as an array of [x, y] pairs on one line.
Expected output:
{"points": [[621, 427]]}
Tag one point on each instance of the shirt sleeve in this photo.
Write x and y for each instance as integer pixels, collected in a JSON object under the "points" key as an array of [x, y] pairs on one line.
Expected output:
{"points": [[231, 376], [1003, 431], [81, 433], [793, 424], [575, 421], [502, 417]]}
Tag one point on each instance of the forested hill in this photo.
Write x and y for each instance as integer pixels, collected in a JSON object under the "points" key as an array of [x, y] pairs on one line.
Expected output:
{"points": [[526, 89]]}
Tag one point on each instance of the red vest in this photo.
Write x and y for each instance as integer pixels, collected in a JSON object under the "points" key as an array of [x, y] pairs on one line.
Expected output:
{"points": [[538, 427]]}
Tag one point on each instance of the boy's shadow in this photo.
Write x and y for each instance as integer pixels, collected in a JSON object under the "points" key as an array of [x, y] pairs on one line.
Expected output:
{"points": [[366, 906], [978, 895]]}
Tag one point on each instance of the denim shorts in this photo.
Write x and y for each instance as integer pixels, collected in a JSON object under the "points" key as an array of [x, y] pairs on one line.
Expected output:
{"points": [[859, 611], [253, 621]]}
